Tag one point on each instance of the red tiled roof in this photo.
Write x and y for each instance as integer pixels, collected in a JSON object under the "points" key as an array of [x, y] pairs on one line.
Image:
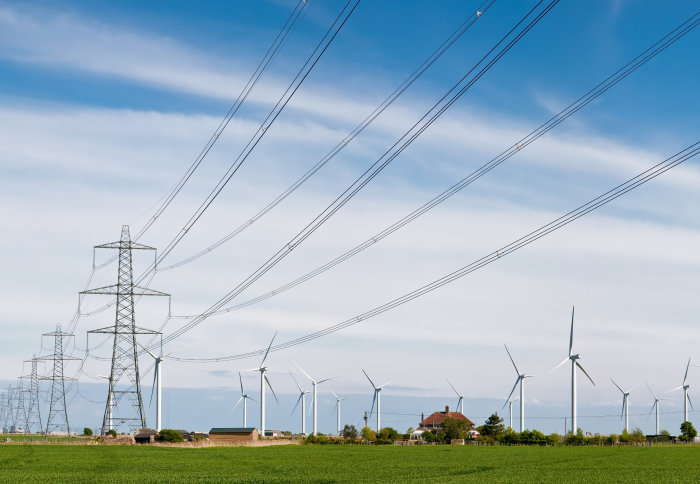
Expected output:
{"points": [[436, 418]]}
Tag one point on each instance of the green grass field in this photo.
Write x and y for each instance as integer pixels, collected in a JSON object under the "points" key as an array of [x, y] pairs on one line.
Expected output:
{"points": [[78, 463]]}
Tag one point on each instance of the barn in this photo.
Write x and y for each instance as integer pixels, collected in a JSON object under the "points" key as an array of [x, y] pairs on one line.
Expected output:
{"points": [[233, 434]]}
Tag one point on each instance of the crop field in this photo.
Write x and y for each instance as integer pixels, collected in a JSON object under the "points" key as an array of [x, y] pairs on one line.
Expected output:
{"points": [[80, 463]]}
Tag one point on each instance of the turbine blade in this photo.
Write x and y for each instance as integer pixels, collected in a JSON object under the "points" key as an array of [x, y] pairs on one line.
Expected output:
{"points": [[333, 393], [382, 386], [268, 349], [295, 382], [563, 361], [302, 370], [622, 412], [370, 380], [332, 378], [155, 375], [251, 398], [511, 360], [297, 404], [652, 392], [270, 387], [674, 389], [514, 387], [618, 386], [239, 401], [584, 372], [571, 335], [686, 371], [241, 380], [652, 407], [691, 403], [630, 390], [453, 388], [374, 399], [252, 369]]}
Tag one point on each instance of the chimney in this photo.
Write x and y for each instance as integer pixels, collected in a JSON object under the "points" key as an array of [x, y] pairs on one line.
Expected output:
{"points": [[447, 409], [422, 416]]}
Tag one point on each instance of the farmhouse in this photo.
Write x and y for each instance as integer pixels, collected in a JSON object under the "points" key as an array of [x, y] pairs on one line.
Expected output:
{"points": [[234, 434], [435, 420]]}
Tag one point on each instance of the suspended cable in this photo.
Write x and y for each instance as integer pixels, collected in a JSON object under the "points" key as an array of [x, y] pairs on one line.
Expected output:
{"points": [[397, 148], [515, 148], [413, 77], [523, 241]]}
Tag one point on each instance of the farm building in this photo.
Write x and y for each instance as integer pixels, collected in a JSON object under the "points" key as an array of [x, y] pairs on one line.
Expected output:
{"points": [[145, 436], [435, 420], [236, 434]]}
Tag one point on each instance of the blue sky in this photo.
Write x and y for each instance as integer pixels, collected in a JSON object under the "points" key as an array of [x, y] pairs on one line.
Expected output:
{"points": [[103, 106]]}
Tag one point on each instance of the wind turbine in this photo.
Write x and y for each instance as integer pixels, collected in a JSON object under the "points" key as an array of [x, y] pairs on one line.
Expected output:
{"points": [[574, 364], [302, 398], [521, 380], [509, 402], [377, 398], [655, 406], [314, 383], [244, 397], [263, 379], [686, 397], [625, 403], [460, 401], [337, 407], [157, 377]]}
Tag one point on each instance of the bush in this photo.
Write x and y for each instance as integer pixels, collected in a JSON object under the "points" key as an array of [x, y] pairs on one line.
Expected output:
{"points": [[169, 435], [638, 437], [611, 439], [368, 434], [87, 431], [111, 432]]}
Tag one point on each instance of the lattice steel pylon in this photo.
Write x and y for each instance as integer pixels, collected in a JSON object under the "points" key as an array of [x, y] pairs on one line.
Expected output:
{"points": [[124, 380], [57, 400], [33, 408], [20, 410]]}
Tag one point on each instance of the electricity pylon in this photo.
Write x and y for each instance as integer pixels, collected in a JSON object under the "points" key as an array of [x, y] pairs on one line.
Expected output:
{"points": [[20, 410], [57, 400], [124, 379], [33, 410]]}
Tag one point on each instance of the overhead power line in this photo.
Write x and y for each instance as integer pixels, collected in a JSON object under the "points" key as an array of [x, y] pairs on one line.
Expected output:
{"points": [[448, 99], [515, 148], [519, 243], [413, 77]]}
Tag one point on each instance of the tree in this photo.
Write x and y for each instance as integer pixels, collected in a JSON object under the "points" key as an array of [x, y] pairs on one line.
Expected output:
{"points": [[493, 426], [368, 434], [454, 429], [349, 432], [637, 436], [112, 432], [169, 435], [688, 431], [387, 435], [87, 431]]}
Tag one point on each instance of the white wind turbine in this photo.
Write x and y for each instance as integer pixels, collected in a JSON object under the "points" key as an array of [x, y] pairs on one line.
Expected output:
{"points": [[574, 364], [314, 401], [157, 377], [509, 402], [686, 397], [378, 398], [244, 398], [625, 403], [302, 399], [337, 407], [460, 401], [655, 406], [263, 379], [521, 380]]}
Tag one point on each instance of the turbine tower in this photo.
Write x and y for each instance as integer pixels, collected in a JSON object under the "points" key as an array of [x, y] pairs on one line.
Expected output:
{"points": [[460, 398], [337, 407], [313, 401], [244, 398], [157, 383], [625, 404], [377, 398], [263, 379], [574, 364], [686, 397], [655, 406], [302, 399], [124, 378], [521, 380]]}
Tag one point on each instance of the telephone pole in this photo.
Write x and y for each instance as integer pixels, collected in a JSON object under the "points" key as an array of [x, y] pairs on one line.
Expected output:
{"points": [[124, 379], [57, 401]]}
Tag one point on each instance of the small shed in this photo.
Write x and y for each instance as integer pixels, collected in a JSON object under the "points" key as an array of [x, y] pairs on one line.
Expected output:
{"points": [[145, 436], [236, 434]]}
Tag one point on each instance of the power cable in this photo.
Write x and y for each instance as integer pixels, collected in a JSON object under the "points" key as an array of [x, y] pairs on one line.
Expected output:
{"points": [[515, 148], [413, 77], [519, 243], [418, 128]]}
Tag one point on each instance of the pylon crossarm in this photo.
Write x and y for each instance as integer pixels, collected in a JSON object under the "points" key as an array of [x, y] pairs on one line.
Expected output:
{"points": [[118, 290], [125, 245]]}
